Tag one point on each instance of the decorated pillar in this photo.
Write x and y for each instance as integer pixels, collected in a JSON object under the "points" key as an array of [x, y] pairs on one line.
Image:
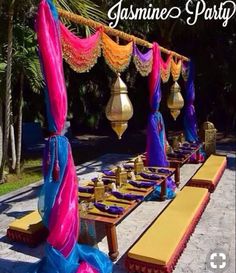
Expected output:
{"points": [[58, 202], [190, 120], [156, 138]]}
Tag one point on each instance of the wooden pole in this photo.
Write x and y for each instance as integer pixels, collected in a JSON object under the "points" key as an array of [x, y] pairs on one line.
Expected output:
{"points": [[114, 32]]}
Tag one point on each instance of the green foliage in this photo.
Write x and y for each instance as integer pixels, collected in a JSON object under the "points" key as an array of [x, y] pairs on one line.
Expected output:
{"points": [[31, 173], [2, 70], [85, 8], [2, 66], [25, 58]]}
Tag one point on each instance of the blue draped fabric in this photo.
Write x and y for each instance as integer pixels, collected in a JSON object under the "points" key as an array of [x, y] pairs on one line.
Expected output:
{"points": [[156, 154], [50, 190], [156, 141], [57, 148], [190, 120], [156, 137]]}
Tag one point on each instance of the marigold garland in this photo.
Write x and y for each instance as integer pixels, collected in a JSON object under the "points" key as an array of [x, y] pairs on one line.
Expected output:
{"points": [[116, 56], [80, 53], [143, 62], [165, 69], [176, 69]]}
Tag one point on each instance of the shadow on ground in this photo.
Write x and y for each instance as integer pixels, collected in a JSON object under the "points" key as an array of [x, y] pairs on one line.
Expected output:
{"points": [[20, 267], [37, 251], [231, 163], [18, 214]]}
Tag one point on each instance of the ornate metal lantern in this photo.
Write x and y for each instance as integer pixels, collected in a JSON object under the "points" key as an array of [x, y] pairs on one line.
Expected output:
{"points": [[175, 101], [119, 108], [208, 137]]}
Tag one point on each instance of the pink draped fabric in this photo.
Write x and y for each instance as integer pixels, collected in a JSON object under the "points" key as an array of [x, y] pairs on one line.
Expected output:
{"points": [[80, 54], [64, 222], [51, 53], [59, 195], [86, 268], [165, 64], [155, 73], [165, 68], [79, 44]]}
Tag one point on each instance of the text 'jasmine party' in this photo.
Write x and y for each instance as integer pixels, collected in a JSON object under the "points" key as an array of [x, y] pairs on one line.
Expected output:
{"points": [[194, 9]]}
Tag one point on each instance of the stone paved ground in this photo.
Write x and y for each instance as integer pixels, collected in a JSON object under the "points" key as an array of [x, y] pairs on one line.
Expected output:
{"points": [[216, 228]]}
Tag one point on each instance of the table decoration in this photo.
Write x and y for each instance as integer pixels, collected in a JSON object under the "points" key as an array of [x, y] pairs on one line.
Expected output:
{"points": [[127, 196], [151, 176], [138, 165], [160, 170], [86, 189], [142, 184], [109, 172], [109, 209]]}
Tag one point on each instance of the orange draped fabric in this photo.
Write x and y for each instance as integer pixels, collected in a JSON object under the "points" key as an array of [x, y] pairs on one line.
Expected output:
{"points": [[116, 56], [176, 69]]}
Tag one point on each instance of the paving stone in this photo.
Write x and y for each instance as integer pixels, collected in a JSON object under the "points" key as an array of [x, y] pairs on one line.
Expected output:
{"points": [[215, 229]]}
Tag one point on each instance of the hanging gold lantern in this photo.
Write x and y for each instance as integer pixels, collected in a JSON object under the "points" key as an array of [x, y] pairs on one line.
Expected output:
{"points": [[119, 108], [175, 101]]}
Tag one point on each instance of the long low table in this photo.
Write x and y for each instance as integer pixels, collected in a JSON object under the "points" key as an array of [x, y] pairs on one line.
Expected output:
{"points": [[177, 163], [111, 221]]}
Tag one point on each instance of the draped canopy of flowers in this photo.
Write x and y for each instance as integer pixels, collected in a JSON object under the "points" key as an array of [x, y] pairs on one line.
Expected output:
{"points": [[82, 54]]}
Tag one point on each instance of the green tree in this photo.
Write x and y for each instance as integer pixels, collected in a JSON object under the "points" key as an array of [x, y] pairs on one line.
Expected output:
{"points": [[26, 67], [8, 88], [26, 60]]}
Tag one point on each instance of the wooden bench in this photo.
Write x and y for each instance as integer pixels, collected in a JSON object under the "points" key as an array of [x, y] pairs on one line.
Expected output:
{"points": [[159, 248], [29, 229], [208, 176]]}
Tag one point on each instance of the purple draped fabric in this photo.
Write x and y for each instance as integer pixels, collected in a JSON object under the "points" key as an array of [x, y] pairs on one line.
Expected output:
{"points": [[144, 57], [190, 120]]}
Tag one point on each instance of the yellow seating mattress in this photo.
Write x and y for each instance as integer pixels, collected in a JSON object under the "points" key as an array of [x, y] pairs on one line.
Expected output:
{"points": [[29, 223], [210, 173], [162, 240]]}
